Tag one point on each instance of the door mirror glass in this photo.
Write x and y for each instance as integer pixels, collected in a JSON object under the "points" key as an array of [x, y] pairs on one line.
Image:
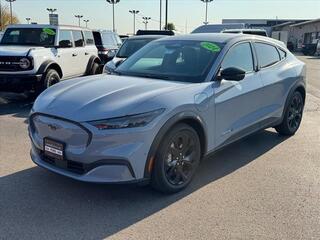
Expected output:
{"points": [[65, 44], [233, 74]]}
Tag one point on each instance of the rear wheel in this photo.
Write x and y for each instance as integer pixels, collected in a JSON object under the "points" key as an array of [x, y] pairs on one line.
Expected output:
{"points": [[293, 115], [177, 159], [95, 69]]}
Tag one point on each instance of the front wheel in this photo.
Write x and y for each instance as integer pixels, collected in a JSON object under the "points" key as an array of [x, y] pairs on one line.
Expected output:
{"points": [[177, 159], [292, 116]]}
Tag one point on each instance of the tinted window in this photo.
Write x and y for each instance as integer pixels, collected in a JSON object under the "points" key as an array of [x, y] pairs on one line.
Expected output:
{"points": [[78, 38], [131, 46], [29, 37], [283, 54], [65, 36], [175, 60], [267, 54], [239, 56], [88, 35], [259, 33]]}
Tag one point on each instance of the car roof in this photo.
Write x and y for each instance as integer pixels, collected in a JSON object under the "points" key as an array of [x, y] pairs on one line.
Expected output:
{"points": [[48, 26], [244, 29], [147, 37], [223, 38]]}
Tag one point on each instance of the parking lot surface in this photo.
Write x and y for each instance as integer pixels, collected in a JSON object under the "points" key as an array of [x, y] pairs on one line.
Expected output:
{"points": [[263, 187]]}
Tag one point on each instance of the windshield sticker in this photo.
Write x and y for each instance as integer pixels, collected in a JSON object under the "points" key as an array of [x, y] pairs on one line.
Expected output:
{"points": [[210, 46], [49, 31]]}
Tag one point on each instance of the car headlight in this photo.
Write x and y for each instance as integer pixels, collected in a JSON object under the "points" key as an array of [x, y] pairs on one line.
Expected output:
{"points": [[25, 63], [132, 121]]}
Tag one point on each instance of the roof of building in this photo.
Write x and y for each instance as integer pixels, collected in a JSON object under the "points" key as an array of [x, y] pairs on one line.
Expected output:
{"points": [[307, 22]]}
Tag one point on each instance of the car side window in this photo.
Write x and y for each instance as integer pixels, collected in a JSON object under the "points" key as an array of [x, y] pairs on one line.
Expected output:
{"points": [[78, 38], [283, 54], [88, 35], [239, 56], [267, 54], [64, 35]]}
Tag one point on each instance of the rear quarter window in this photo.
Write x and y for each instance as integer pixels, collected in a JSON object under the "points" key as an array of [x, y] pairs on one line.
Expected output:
{"points": [[268, 55]]}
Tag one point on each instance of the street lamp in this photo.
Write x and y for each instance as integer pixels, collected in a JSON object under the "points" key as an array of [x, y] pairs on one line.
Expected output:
{"points": [[79, 18], [206, 18], [28, 20], [166, 21], [160, 14], [134, 12], [11, 1], [86, 21], [113, 2], [51, 10], [146, 21]]}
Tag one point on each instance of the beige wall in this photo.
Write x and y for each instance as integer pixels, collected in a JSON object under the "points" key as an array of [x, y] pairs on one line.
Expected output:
{"points": [[296, 34]]}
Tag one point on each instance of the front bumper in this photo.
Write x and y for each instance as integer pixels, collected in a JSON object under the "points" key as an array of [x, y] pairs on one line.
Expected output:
{"points": [[18, 82], [107, 171]]}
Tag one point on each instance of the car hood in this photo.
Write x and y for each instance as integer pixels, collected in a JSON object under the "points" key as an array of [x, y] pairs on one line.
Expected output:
{"points": [[16, 50], [101, 97]]}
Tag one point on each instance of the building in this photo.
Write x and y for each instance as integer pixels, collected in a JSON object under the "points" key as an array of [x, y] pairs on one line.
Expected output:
{"points": [[266, 24]]}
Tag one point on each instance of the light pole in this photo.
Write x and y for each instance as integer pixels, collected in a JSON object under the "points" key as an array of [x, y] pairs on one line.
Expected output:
{"points": [[134, 12], [146, 21], [86, 21], [166, 21], [51, 10], [28, 20], [160, 14], [206, 17], [113, 2], [79, 18], [11, 1]]}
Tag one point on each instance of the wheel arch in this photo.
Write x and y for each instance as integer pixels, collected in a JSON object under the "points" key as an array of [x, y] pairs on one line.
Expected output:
{"points": [[92, 60], [190, 119], [50, 65]]}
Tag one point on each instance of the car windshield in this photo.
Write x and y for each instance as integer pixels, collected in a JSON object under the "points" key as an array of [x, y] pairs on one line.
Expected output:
{"points": [[44, 37], [174, 60], [130, 46]]}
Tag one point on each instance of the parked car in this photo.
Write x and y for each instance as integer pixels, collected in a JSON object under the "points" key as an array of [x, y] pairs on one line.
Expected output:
{"points": [[217, 28], [309, 49], [35, 57], [129, 47], [155, 32], [166, 107], [108, 43], [259, 32]]}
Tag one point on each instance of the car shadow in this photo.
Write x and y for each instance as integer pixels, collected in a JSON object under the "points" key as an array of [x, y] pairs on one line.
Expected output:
{"points": [[17, 105], [37, 204]]}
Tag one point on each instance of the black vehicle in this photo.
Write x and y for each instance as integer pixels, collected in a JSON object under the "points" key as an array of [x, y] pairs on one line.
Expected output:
{"points": [[309, 49], [155, 32], [107, 43]]}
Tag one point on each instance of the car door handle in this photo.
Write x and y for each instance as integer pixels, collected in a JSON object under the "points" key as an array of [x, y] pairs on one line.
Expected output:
{"points": [[86, 54], [74, 54]]}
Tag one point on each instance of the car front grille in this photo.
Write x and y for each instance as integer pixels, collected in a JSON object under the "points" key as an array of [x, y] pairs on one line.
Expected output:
{"points": [[10, 63]]}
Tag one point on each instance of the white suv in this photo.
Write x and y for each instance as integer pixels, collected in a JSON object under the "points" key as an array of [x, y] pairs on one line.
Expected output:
{"points": [[34, 57]]}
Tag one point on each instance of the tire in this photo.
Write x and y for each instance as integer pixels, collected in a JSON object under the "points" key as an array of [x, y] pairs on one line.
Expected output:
{"points": [[95, 69], [177, 159], [50, 78], [292, 115]]}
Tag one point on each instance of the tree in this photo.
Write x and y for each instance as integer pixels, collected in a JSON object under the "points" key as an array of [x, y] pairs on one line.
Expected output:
{"points": [[5, 17], [170, 27]]}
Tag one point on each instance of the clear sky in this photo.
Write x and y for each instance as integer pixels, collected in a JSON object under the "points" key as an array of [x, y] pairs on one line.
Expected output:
{"points": [[186, 14]]}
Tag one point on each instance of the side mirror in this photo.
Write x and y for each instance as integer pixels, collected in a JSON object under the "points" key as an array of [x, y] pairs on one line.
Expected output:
{"points": [[233, 74], [65, 44]]}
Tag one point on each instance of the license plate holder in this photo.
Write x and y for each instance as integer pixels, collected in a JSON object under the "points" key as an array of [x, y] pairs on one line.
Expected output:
{"points": [[53, 149]]}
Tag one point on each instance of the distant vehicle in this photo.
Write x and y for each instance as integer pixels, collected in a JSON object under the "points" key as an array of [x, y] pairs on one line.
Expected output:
{"points": [[309, 49], [217, 28], [35, 57], [123, 37], [129, 47], [173, 103], [259, 32], [108, 43], [155, 32]]}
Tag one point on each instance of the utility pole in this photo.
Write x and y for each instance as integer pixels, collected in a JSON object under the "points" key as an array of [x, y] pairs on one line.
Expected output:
{"points": [[206, 16], [166, 20], [160, 15], [146, 21], [113, 2], [134, 12], [51, 10], [86, 21], [28, 20], [79, 18], [11, 18]]}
